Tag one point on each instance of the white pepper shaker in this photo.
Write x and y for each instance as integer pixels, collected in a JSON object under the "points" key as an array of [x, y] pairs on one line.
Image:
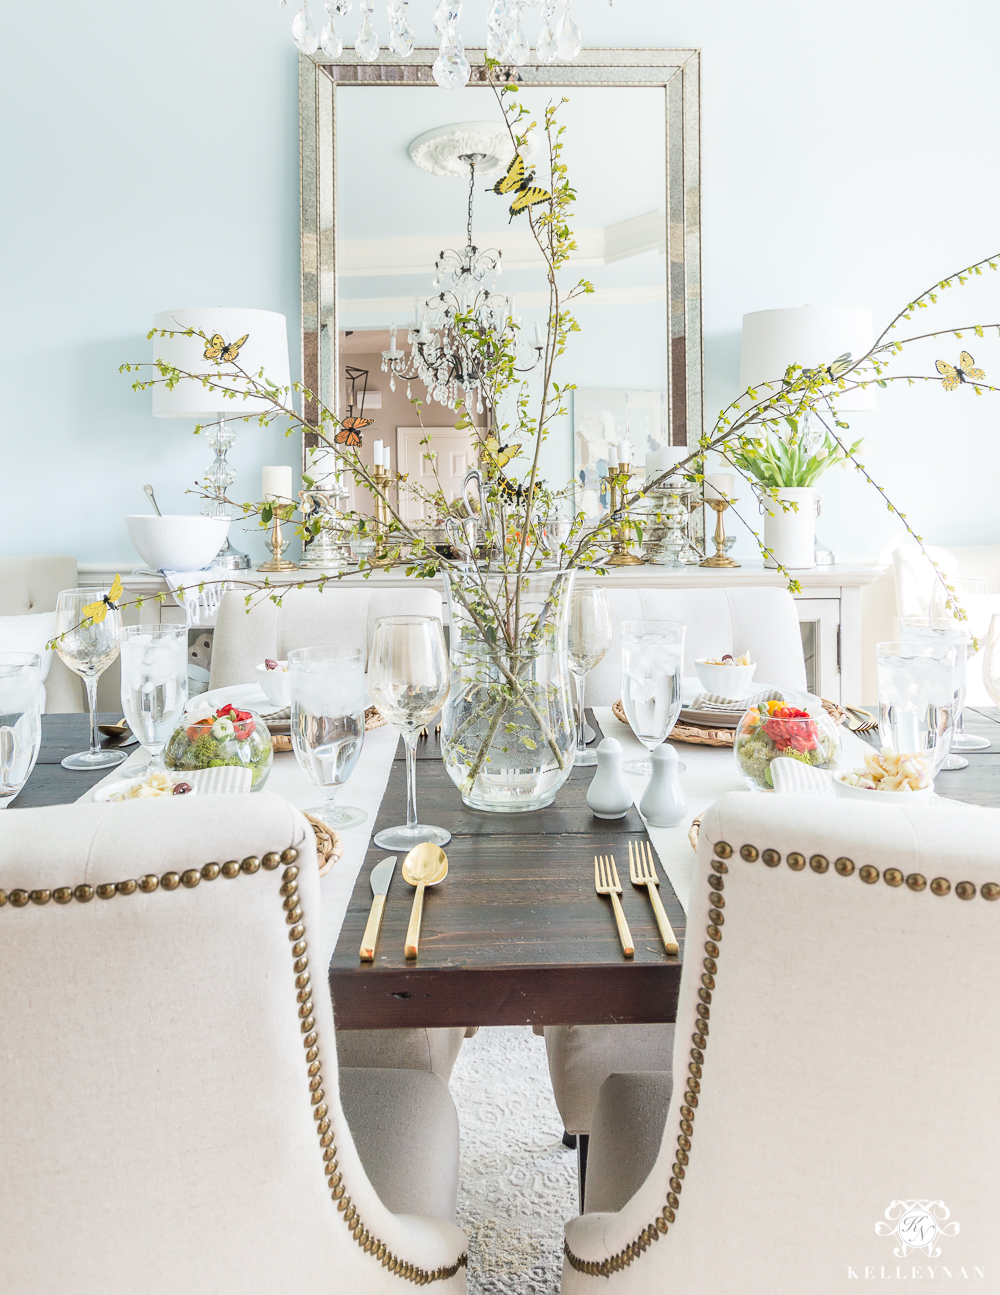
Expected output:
{"points": [[607, 795], [663, 802]]}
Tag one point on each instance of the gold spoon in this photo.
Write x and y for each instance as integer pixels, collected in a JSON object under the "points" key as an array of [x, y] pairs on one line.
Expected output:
{"points": [[115, 730], [425, 865]]}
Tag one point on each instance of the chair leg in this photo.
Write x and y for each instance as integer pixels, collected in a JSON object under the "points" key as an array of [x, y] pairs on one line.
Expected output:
{"points": [[569, 1140], [582, 1148]]}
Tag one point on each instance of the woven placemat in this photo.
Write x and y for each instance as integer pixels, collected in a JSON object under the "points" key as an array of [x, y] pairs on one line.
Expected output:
{"points": [[692, 733], [329, 844]]}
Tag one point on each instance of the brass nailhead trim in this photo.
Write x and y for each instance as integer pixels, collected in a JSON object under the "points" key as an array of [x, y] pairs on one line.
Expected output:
{"points": [[210, 871], [250, 864], [170, 880], [231, 868], [966, 890], [345, 1206], [19, 898], [41, 896]]}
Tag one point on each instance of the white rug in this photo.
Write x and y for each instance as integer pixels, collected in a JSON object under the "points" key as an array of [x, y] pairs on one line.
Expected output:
{"points": [[517, 1183]]}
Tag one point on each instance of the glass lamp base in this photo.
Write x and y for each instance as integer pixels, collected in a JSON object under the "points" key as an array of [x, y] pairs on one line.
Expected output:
{"points": [[405, 838], [341, 816], [969, 742], [954, 762], [100, 760]]}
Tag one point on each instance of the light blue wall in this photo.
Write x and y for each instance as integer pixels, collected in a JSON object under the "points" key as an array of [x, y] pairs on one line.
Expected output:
{"points": [[150, 161]]}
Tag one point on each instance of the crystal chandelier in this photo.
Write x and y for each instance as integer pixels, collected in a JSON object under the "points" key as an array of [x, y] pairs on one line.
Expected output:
{"points": [[440, 355], [558, 38]]}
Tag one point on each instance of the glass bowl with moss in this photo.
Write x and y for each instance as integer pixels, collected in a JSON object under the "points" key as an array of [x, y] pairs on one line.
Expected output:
{"points": [[775, 728], [226, 736]]}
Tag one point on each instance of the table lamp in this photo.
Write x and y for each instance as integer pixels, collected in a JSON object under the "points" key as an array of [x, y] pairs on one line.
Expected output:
{"points": [[259, 340], [810, 336]]}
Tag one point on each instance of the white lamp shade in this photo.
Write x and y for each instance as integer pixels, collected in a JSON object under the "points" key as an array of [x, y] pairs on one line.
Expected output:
{"points": [[266, 347], [806, 335]]}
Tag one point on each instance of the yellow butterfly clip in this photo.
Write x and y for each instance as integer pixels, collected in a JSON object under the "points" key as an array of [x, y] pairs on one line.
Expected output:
{"points": [[961, 372], [94, 613], [219, 349], [517, 182], [499, 455], [528, 198]]}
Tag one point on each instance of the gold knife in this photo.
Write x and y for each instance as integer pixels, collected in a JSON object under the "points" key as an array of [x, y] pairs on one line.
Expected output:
{"points": [[380, 878]]}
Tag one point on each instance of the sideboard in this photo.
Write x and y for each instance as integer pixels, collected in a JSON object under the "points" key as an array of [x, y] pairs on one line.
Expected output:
{"points": [[829, 605]]}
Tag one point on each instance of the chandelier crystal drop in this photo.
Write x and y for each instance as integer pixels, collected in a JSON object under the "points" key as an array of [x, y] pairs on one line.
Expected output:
{"points": [[559, 36], [442, 356], [304, 34]]}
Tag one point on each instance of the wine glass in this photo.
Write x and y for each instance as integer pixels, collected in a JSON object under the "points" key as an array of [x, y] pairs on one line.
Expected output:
{"points": [[20, 720], [408, 676], [916, 698], [88, 648], [154, 685], [974, 596], [589, 640], [652, 682], [327, 687]]}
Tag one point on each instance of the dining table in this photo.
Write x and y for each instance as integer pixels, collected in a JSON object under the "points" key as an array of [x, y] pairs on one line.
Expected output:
{"points": [[516, 934]]}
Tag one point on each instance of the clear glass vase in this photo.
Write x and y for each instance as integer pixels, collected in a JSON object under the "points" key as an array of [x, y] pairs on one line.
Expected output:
{"points": [[508, 733]]}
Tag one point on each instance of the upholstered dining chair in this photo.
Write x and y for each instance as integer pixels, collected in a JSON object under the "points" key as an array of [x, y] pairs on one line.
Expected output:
{"points": [[838, 1042], [345, 618], [306, 618], [29, 586], [172, 1114], [760, 620]]}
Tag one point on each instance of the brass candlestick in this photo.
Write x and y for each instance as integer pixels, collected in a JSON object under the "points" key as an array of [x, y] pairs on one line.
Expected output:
{"points": [[380, 556], [719, 559], [618, 493], [276, 542]]}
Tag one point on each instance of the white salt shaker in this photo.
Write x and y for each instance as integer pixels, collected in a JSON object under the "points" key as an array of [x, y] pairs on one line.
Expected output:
{"points": [[663, 802], [607, 795]]}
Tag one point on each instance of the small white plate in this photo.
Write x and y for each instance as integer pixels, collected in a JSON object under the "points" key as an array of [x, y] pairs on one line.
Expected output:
{"points": [[105, 791]]}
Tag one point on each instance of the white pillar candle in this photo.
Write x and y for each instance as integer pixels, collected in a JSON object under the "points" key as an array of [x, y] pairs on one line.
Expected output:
{"points": [[624, 452], [377, 451], [385, 457], [718, 484], [612, 456], [277, 483]]}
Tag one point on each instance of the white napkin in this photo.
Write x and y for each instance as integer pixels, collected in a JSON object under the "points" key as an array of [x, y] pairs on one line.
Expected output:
{"points": [[221, 780], [726, 706], [792, 777], [202, 606]]}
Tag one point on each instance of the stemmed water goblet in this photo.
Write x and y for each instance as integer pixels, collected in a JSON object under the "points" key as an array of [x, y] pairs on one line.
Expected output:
{"points": [[652, 682], [409, 678], [589, 640], [946, 630], [154, 686], [20, 720], [975, 599], [88, 647], [916, 698], [327, 687]]}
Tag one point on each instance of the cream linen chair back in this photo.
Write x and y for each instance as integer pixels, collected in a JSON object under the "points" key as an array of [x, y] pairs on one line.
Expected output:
{"points": [[31, 584], [338, 617], [846, 958], [761, 621], [170, 1119]]}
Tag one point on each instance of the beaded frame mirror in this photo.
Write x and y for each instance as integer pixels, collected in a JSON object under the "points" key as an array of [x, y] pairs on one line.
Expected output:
{"points": [[673, 73]]}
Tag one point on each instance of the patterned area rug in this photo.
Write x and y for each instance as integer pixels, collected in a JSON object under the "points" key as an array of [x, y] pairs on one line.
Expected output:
{"points": [[517, 1181]]}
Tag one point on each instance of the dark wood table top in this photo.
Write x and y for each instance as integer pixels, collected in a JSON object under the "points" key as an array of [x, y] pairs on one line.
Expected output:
{"points": [[516, 934], [50, 783]]}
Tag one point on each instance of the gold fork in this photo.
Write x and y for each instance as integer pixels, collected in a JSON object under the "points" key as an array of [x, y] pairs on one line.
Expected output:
{"points": [[606, 883], [642, 871]]}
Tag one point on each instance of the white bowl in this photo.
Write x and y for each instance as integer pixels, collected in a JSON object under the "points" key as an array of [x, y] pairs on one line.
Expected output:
{"points": [[730, 681], [875, 797], [275, 683], [177, 543]]}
